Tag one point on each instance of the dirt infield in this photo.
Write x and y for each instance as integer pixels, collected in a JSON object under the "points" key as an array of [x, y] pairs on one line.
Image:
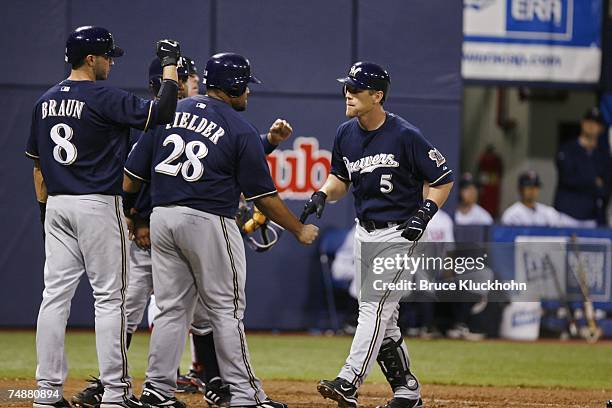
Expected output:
{"points": [[303, 394]]}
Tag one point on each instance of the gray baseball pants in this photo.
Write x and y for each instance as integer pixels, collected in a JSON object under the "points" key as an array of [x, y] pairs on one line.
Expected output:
{"points": [[376, 322], [197, 253], [84, 234]]}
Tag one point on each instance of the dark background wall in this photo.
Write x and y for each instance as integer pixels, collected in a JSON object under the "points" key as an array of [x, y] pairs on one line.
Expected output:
{"points": [[296, 48]]}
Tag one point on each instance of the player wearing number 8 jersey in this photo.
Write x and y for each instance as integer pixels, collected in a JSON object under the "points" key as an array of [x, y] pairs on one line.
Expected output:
{"points": [[78, 139]]}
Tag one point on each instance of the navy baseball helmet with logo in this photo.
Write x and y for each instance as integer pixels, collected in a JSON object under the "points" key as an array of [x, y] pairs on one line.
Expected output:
{"points": [[192, 69], [230, 73], [90, 40], [367, 75], [156, 73]]}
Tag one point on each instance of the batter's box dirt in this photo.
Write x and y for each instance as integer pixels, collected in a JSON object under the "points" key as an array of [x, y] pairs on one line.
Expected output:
{"points": [[302, 394]]}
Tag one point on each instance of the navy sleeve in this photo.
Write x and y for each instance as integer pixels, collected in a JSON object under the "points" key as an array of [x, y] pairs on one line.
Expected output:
{"points": [[32, 145], [428, 162], [572, 174], [268, 147], [125, 108], [140, 159], [253, 173], [338, 166]]}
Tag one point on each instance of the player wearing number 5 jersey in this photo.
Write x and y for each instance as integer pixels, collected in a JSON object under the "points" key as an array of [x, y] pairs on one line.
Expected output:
{"points": [[387, 161], [78, 139], [197, 166]]}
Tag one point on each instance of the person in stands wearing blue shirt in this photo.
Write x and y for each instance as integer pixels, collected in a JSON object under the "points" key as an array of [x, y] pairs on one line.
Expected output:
{"points": [[584, 174]]}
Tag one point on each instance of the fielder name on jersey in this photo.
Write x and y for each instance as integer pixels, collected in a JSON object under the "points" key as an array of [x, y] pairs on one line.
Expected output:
{"points": [[193, 122], [192, 162]]}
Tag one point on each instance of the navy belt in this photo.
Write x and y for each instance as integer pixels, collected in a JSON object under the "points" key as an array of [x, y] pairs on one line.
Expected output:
{"points": [[371, 225]]}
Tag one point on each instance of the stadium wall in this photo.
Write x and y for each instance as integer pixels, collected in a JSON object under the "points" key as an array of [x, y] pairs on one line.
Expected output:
{"points": [[296, 48]]}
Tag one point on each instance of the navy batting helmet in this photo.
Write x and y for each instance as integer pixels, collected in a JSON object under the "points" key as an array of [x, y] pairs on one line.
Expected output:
{"points": [[367, 75], [229, 72], [90, 40], [192, 69], [156, 73]]}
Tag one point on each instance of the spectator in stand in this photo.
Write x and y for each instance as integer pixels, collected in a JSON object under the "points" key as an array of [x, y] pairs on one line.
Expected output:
{"points": [[468, 211], [528, 211], [584, 174]]}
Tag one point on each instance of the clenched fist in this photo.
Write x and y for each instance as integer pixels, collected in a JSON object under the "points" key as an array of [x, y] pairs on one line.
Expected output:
{"points": [[307, 234], [168, 52], [279, 132]]}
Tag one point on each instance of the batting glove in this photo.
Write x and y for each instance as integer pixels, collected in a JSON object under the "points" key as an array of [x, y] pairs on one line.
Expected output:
{"points": [[414, 227], [168, 52], [316, 204]]}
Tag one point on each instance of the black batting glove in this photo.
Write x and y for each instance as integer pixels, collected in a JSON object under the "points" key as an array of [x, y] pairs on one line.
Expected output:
{"points": [[316, 204], [414, 227], [168, 52]]}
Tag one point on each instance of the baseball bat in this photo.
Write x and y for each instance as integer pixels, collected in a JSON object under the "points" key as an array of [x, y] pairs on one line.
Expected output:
{"points": [[572, 327], [593, 332]]}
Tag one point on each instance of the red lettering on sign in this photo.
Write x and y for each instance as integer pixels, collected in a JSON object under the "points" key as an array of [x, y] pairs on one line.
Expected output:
{"points": [[300, 171]]}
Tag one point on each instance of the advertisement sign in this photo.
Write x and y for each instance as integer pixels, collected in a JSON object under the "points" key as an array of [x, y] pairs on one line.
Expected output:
{"points": [[532, 40]]}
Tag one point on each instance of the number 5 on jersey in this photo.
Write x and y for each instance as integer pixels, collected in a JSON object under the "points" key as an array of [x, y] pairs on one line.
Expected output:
{"points": [[191, 169], [385, 183]]}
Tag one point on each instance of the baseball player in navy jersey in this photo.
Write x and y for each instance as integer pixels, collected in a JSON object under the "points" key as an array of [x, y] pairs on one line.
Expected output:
{"points": [[193, 80], [78, 140], [204, 375], [387, 161], [140, 284], [198, 166]]}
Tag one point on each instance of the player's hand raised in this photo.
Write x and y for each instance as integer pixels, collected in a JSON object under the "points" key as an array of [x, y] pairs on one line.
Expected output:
{"points": [[307, 234], [168, 52], [414, 227], [316, 204], [279, 132]]}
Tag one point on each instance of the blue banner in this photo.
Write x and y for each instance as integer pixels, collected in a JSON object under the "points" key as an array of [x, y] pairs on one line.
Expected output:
{"points": [[532, 40]]}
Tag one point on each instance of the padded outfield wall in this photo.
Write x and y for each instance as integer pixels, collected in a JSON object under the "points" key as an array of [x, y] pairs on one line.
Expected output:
{"points": [[296, 48]]}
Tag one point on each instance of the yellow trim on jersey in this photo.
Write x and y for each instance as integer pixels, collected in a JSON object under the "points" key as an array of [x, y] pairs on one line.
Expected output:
{"points": [[134, 175], [261, 195], [440, 178], [31, 156], [149, 116]]}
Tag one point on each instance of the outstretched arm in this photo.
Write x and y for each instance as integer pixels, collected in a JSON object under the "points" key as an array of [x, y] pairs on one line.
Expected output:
{"points": [[275, 209]]}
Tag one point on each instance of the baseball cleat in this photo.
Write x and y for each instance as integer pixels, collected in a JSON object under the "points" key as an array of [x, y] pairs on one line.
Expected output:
{"points": [[403, 403], [153, 397], [91, 396], [217, 393], [184, 383], [131, 402], [339, 390], [59, 404]]}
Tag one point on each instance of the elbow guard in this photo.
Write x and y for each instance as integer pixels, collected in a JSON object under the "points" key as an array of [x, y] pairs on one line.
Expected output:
{"points": [[166, 104]]}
